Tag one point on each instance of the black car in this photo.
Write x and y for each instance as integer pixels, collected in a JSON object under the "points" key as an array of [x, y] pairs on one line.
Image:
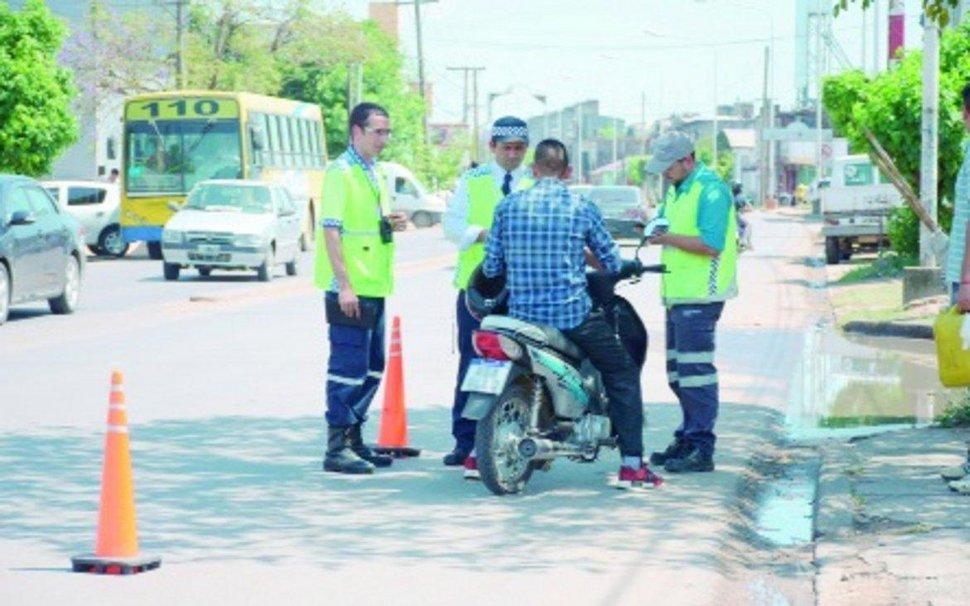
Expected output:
{"points": [[40, 248], [622, 207]]}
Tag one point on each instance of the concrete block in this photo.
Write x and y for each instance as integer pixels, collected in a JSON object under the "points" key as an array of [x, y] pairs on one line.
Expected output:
{"points": [[920, 282]]}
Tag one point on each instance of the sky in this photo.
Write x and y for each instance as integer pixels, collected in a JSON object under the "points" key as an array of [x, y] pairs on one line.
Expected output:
{"points": [[683, 55]]}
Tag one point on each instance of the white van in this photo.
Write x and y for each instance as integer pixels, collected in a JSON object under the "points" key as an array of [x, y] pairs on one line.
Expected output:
{"points": [[95, 205], [855, 207], [409, 196]]}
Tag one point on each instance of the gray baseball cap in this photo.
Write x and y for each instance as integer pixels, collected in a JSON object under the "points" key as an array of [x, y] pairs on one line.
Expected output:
{"points": [[667, 149]]}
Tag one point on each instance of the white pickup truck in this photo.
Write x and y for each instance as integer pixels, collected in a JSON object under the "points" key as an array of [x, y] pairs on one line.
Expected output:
{"points": [[855, 207]]}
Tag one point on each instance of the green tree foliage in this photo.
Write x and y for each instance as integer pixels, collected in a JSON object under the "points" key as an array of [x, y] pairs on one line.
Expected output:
{"points": [[36, 123], [890, 105], [937, 10], [725, 159]]}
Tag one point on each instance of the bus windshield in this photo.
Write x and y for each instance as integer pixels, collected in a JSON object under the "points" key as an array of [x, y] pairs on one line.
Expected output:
{"points": [[171, 156]]}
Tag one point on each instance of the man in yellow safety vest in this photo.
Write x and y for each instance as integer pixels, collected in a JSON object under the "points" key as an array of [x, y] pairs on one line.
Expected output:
{"points": [[354, 257], [700, 251], [466, 223]]}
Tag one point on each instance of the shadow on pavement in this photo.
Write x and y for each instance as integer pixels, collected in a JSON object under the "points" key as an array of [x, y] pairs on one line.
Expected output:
{"points": [[251, 489]]}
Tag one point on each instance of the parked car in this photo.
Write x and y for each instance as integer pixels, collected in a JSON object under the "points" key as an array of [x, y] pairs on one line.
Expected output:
{"points": [[409, 196], [234, 225], [40, 248], [622, 207], [96, 206]]}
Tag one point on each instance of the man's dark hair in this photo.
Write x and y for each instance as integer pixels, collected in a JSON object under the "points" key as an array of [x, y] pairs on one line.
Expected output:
{"points": [[966, 97], [362, 112], [551, 157]]}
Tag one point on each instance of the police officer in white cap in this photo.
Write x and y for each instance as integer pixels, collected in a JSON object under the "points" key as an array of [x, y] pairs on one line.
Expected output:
{"points": [[466, 223]]}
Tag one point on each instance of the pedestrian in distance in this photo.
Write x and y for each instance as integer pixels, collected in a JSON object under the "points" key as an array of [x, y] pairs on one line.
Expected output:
{"points": [[539, 240], [466, 224], [354, 259], [958, 269], [700, 250]]}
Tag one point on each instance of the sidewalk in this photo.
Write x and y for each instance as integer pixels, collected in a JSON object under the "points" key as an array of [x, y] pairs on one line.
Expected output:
{"points": [[889, 530]]}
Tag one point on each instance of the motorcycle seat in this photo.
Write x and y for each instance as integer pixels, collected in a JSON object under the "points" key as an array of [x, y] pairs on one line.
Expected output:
{"points": [[539, 334]]}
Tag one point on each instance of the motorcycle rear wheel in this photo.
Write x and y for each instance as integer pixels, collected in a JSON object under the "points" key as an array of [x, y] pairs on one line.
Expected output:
{"points": [[502, 469]]}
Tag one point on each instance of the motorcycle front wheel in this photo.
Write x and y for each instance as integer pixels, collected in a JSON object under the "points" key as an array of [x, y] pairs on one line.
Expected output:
{"points": [[503, 470]]}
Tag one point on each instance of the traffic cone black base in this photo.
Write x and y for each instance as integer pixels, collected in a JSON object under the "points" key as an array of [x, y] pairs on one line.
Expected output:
{"points": [[98, 565]]}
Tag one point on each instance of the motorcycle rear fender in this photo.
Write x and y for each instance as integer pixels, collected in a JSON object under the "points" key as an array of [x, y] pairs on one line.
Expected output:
{"points": [[479, 404]]}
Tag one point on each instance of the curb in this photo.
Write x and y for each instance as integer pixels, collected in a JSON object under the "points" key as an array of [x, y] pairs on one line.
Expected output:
{"points": [[889, 329]]}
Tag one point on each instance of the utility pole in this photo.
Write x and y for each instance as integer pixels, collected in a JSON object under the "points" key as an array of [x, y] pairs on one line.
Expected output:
{"points": [[714, 127], [929, 134], [643, 118], [616, 140], [474, 103], [765, 145], [579, 142], [180, 66], [875, 37], [820, 20], [419, 44]]}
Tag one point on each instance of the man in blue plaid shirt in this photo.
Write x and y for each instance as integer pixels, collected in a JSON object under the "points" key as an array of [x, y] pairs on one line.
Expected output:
{"points": [[539, 239]]}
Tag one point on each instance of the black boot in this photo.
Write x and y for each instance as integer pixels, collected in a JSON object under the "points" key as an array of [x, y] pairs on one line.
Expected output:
{"points": [[455, 458], [692, 460], [340, 458], [674, 450], [355, 442]]}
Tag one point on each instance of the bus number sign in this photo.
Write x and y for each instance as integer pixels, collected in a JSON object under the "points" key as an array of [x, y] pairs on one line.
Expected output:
{"points": [[187, 108]]}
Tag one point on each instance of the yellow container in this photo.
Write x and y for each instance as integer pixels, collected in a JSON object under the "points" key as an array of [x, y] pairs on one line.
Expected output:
{"points": [[952, 359]]}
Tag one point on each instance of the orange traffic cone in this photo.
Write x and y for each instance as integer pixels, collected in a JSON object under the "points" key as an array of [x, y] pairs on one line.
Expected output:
{"points": [[393, 437], [116, 546]]}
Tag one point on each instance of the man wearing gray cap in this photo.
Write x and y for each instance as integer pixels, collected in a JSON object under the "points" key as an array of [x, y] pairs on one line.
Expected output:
{"points": [[466, 223], [700, 252]]}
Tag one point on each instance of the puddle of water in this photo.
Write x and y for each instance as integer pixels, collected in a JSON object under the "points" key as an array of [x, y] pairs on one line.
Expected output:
{"points": [[786, 506], [846, 387]]}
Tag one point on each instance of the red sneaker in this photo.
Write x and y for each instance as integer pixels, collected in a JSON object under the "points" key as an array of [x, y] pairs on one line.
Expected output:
{"points": [[639, 478], [471, 468]]}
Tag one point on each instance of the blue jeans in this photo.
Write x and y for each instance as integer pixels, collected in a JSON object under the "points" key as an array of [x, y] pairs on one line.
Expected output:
{"points": [[691, 373], [354, 369], [954, 291], [463, 429]]}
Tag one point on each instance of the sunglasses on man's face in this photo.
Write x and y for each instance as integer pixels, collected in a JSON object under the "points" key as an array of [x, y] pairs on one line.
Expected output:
{"points": [[381, 132]]}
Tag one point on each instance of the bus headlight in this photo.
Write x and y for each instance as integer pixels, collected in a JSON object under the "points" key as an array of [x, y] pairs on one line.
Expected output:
{"points": [[170, 236], [249, 240]]}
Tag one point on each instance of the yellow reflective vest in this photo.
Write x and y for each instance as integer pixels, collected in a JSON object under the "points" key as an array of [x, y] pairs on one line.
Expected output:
{"points": [[483, 196], [353, 199], [694, 278]]}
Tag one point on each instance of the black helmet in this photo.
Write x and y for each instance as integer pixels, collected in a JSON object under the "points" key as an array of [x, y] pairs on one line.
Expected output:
{"points": [[486, 296]]}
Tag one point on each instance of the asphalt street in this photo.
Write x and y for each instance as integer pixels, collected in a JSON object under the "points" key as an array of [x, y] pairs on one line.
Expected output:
{"points": [[224, 380]]}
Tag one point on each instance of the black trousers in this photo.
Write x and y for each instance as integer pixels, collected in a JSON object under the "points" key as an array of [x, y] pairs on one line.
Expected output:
{"points": [[621, 378]]}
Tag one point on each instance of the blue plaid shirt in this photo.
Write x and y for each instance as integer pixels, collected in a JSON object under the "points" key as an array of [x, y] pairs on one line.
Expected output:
{"points": [[537, 239]]}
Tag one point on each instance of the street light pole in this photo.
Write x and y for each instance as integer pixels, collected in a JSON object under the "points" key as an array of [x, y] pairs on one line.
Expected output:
{"points": [[930, 132]]}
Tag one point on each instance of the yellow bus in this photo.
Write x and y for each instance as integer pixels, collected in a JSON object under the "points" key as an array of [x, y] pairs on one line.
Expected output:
{"points": [[173, 140]]}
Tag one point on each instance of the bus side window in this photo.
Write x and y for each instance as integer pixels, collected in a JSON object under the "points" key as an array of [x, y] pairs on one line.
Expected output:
{"points": [[287, 147], [276, 143], [257, 139], [308, 135], [317, 144], [297, 136]]}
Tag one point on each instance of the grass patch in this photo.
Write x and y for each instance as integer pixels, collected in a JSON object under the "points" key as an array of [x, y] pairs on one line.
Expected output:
{"points": [[956, 413], [871, 301], [889, 265]]}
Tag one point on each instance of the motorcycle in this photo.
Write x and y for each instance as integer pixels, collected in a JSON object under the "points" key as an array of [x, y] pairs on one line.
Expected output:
{"points": [[533, 393]]}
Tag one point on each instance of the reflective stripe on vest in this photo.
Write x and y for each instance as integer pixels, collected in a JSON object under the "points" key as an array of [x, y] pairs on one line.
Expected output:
{"points": [[368, 260], [483, 196], [694, 278]]}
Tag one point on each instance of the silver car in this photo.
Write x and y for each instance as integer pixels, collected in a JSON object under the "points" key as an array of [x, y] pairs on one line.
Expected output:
{"points": [[233, 225]]}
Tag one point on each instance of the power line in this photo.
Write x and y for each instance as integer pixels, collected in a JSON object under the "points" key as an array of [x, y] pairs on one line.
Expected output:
{"points": [[466, 70]]}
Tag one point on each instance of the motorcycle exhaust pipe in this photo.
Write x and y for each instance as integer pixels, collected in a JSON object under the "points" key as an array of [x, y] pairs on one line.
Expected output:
{"points": [[539, 449]]}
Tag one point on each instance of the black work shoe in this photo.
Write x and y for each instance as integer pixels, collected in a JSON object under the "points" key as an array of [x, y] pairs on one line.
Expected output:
{"points": [[455, 458], [675, 449], [693, 460], [355, 442], [340, 458]]}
